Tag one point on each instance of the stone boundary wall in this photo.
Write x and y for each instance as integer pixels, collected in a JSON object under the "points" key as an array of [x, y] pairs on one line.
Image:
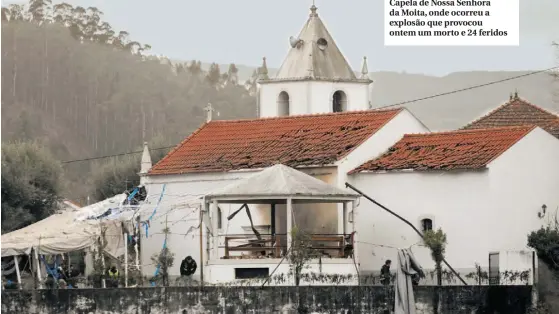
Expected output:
{"points": [[225, 300]]}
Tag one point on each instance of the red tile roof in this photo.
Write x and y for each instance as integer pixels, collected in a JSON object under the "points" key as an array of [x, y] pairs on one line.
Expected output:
{"points": [[294, 141], [518, 111], [465, 149]]}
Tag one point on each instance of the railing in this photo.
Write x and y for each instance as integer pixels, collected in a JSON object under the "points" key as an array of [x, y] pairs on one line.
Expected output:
{"points": [[274, 246]]}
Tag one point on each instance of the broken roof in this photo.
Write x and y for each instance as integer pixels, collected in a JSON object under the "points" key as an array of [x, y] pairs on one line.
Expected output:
{"points": [[456, 150], [518, 111], [305, 140], [316, 56], [280, 181]]}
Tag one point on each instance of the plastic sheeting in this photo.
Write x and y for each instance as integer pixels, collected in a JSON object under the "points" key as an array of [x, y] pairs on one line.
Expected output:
{"points": [[67, 231], [407, 267], [281, 180]]}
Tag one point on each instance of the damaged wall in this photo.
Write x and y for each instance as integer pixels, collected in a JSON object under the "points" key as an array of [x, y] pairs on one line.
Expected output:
{"points": [[331, 299]]}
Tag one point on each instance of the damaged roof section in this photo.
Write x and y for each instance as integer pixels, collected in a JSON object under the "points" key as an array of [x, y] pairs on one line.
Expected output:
{"points": [[305, 140], [518, 111], [457, 150]]}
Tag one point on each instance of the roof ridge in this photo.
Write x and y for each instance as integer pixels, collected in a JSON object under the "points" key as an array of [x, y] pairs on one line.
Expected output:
{"points": [[509, 103], [309, 115], [537, 107], [462, 131]]}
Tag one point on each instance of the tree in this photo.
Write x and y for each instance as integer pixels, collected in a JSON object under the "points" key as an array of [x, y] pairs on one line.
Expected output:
{"points": [[300, 254], [436, 242], [546, 240], [121, 174], [31, 184], [164, 261], [96, 90], [214, 74]]}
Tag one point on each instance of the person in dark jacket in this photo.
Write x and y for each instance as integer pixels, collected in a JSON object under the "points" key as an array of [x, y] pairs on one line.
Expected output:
{"points": [[188, 266], [385, 273]]}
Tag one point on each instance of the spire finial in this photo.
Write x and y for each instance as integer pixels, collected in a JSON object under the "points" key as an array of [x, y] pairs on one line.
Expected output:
{"points": [[264, 70], [313, 9], [365, 69], [515, 93]]}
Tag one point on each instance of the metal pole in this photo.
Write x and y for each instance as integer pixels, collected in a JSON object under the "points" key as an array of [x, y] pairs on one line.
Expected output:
{"points": [[38, 263], [405, 221], [201, 235], [125, 260], [16, 262]]}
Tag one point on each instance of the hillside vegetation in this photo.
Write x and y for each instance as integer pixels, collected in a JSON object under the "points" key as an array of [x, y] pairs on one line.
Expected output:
{"points": [[84, 89]]}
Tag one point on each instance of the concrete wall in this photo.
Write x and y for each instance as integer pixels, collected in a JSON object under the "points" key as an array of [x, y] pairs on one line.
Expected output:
{"points": [[306, 97], [223, 272], [481, 211], [331, 299]]}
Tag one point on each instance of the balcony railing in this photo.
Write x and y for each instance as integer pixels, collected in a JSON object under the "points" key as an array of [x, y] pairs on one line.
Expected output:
{"points": [[275, 246]]}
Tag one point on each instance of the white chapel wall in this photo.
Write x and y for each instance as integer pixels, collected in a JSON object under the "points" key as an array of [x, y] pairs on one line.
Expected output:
{"points": [[480, 211], [523, 179], [310, 97]]}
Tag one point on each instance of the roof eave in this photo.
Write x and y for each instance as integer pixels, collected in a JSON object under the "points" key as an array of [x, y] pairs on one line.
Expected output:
{"points": [[238, 170], [477, 169], [312, 78]]}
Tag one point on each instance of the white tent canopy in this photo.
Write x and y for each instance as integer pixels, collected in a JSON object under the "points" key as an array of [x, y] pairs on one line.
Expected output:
{"points": [[69, 230], [281, 182]]}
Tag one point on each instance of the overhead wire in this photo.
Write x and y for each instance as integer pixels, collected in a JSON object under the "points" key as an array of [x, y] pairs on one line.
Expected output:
{"points": [[382, 107], [470, 87]]}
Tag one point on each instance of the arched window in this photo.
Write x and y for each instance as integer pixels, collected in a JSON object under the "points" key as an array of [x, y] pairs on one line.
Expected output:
{"points": [[426, 224], [339, 101], [283, 104]]}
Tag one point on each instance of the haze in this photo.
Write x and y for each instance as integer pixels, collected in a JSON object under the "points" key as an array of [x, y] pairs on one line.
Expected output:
{"points": [[242, 32]]}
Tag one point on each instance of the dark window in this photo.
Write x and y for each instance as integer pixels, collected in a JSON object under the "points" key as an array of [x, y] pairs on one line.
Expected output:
{"points": [[339, 101], [250, 273], [493, 268], [283, 104], [426, 224]]}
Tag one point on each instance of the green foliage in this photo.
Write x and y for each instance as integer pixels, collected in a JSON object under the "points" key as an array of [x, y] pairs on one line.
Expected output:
{"points": [[31, 184], [165, 260], [546, 239], [94, 86], [436, 242], [117, 175], [300, 254]]}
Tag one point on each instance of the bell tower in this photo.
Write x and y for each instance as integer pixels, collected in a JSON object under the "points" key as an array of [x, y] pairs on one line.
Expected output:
{"points": [[314, 78]]}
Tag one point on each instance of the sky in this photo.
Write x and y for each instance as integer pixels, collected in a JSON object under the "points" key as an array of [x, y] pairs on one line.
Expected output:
{"points": [[244, 31]]}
